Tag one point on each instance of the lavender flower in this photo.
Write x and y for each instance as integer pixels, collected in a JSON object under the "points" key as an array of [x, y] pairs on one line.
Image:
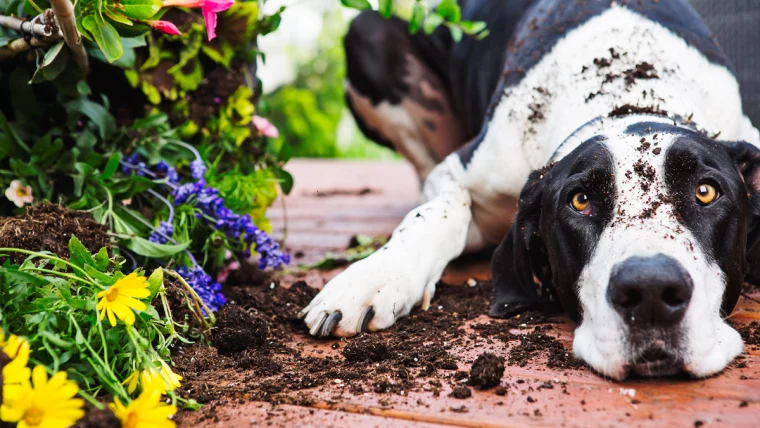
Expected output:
{"points": [[235, 226], [197, 169], [201, 282], [163, 170], [161, 233]]}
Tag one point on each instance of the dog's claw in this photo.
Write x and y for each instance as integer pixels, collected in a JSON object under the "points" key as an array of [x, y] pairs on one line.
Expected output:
{"points": [[366, 317], [330, 324], [301, 315], [317, 326]]}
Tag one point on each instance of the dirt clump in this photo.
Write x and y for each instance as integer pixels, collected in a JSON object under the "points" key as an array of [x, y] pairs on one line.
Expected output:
{"points": [[461, 392], [49, 227], [237, 329], [366, 347], [486, 371], [628, 109]]}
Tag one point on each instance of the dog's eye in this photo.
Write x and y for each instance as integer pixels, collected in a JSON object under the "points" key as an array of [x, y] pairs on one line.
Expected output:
{"points": [[580, 202], [706, 194]]}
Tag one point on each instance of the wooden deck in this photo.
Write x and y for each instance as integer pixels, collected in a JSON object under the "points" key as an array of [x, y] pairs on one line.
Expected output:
{"points": [[333, 201]]}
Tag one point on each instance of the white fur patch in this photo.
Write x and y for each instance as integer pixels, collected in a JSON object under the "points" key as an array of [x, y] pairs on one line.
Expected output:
{"points": [[645, 224], [405, 271]]}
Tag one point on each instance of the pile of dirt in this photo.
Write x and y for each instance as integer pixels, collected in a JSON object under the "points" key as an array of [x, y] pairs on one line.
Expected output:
{"points": [[413, 355], [48, 227], [237, 330], [95, 418], [486, 371]]}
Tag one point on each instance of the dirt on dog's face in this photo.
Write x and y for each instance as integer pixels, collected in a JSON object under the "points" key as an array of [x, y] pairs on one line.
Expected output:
{"points": [[642, 232]]}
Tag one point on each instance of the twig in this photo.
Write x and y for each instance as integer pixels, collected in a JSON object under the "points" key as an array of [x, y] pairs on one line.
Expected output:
{"points": [[30, 27], [19, 46], [64, 12]]}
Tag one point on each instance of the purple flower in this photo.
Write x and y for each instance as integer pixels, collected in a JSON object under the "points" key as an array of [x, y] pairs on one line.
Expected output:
{"points": [[201, 282], [164, 170], [158, 235], [132, 161], [197, 169]]}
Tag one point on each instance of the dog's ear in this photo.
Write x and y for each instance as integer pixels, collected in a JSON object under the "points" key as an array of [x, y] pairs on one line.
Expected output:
{"points": [[747, 159], [522, 254]]}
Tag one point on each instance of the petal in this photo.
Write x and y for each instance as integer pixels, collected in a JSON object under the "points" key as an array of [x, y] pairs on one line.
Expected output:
{"points": [[133, 303], [134, 292], [111, 318], [210, 17], [39, 377]]}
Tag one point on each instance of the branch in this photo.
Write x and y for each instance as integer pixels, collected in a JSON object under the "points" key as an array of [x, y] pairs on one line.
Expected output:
{"points": [[64, 11], [26, 27], [18, 46]]}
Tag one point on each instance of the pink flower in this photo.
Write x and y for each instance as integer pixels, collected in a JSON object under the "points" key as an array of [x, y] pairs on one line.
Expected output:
{"points": [[164, 27], [209, 9], [265, 127]]}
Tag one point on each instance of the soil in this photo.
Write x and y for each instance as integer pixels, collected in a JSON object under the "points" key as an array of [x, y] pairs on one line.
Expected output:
{"points": [[627, 109], [94, 418], [237, 330], [48, 227], [486, 371], [414, 355]]}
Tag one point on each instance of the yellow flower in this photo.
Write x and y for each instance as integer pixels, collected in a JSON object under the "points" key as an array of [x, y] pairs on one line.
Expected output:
{"points": [[121, 298], [48, 404], [146, 411], [172, 379], [15, 373], [150, 378]]}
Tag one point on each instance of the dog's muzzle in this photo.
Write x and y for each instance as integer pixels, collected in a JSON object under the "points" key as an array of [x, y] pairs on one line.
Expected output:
{"points": [[652, 296]]}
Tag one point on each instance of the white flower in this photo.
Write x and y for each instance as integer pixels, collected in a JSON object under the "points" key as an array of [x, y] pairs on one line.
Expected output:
{"points": [[19, 194]]}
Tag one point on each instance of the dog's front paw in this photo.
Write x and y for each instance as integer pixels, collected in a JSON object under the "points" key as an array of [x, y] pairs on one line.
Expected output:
{"points": [[369, 296]]}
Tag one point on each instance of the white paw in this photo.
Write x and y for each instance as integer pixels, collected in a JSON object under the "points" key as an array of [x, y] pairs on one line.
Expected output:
{"points": [[370, 295]]}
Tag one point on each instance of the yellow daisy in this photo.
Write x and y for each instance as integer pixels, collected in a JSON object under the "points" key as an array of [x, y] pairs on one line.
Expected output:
{"points": [[146, 411], [48, 404], [120, 299], [15, 373], [163, 380]]}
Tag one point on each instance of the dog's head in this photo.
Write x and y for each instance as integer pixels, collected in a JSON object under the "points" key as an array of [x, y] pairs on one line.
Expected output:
{"points": [[642, 231]]}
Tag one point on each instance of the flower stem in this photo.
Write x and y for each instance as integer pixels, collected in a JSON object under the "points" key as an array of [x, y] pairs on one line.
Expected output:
{"points": [[49, 257]]}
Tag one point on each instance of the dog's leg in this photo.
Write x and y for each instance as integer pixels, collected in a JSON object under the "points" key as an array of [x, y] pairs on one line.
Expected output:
{"points": [[373, 293], [397, 90]]}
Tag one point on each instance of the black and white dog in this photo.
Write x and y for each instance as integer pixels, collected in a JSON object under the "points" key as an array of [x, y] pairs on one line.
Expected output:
{"points": [[616, 127]]}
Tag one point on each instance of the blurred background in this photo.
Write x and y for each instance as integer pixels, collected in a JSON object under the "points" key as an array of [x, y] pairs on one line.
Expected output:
{"points": [[303, 74], [304, 69]]}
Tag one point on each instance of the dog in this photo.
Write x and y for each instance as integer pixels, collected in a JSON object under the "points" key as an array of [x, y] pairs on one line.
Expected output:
{"points": [[616, 129]]}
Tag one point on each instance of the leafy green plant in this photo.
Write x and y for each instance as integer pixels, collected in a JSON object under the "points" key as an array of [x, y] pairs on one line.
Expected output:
{"points": [[56, 305]]}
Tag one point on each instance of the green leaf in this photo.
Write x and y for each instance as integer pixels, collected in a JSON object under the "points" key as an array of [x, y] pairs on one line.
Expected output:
{"points": [[356, 4], [78, 254], [141, 9], [472, 27], [111, 166], [450, 11], [456, 34], [286, 180], [220, 52], [101, 277], [52, 64], [100, 116], [418, 16], [155, 281], [432, 22], [385, 7], [116, 16], [105, 36], [143, 247], [101, 259]]}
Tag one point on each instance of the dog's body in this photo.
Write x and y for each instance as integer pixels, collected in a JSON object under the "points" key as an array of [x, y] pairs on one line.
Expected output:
{"points": [[623, 97]]}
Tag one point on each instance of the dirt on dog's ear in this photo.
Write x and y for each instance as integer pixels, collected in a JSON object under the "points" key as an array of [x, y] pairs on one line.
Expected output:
{"points": [[521, 255], [747, 159]]}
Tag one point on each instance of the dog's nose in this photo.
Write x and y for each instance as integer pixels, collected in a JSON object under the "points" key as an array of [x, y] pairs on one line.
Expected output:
{"points": [[649, 292]]}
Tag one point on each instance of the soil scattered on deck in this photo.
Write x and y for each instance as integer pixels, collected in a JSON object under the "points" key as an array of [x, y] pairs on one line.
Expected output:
{"points": [[417, 354]]}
